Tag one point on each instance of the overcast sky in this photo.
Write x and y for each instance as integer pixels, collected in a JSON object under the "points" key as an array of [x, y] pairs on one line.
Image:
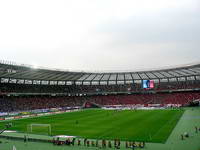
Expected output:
{"points": [[100, 34]]}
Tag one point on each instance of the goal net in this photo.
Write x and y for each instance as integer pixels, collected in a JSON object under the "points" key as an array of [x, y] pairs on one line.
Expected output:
{"points": [[39, 129]]}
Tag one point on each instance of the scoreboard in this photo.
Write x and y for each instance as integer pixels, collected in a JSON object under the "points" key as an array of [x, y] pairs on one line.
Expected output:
{"points": [[148, 84]]}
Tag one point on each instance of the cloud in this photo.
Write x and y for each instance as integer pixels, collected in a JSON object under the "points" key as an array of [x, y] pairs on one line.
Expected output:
{"points": [[100, 35]]}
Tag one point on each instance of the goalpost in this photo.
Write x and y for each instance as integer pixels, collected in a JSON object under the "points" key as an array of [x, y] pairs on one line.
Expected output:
{"points": [[39, 128]]}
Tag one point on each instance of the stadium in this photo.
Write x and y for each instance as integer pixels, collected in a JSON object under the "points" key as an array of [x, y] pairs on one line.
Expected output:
{"points": [[99, 75], [154, 109]]}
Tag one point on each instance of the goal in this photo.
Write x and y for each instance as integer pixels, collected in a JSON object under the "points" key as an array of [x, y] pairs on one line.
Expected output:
{"points": [[39, 128]]}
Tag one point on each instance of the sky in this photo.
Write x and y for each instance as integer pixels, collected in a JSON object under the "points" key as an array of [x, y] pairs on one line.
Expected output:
{"points": [[100, 35]]}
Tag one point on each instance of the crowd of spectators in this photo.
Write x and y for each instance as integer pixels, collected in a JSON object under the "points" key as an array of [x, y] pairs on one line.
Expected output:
{"points": [[9, 104], [137, 87]]}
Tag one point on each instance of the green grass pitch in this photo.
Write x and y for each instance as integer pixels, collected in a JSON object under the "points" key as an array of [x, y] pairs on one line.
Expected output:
{"points": [[134, 125]]}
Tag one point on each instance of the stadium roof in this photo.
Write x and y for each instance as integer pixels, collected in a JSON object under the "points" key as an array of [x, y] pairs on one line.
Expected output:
{"points": [[15, 72]]}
